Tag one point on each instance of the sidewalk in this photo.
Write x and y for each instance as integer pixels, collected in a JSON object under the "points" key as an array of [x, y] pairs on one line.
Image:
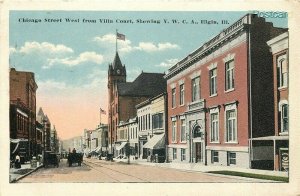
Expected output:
{"points": [[26, 169], [205, 168]]}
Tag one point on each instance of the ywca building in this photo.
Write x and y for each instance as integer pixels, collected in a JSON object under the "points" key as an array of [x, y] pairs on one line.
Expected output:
{"points": [[221, 95]]}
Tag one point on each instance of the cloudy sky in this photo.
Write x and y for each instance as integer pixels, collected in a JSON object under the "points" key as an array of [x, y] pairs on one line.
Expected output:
{"points": [[70, 59]]}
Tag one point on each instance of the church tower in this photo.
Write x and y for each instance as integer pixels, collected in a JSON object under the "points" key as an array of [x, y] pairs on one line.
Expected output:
{"points": [[116, 74]]}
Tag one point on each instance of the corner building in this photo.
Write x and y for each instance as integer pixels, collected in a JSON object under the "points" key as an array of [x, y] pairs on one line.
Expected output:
{"points": [[221, 95]]}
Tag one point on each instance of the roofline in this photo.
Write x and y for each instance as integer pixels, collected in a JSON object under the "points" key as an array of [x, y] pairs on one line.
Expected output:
{"points": [[149, 100], [278, 38], [210, 44], [159, 95], [142, 103]]}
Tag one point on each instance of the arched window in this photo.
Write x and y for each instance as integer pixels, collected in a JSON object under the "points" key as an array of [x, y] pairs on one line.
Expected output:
{"points": [[197, 132], [282, 69]]}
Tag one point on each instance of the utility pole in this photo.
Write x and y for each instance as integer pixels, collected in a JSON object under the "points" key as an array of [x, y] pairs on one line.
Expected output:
{"points": [[128, 146]]}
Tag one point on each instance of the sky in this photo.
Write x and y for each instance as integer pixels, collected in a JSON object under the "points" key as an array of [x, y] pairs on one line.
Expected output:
{"points": [[70, 59]]}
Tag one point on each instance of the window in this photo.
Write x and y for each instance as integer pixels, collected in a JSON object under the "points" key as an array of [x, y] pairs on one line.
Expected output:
{"points": [[182, 131], [195, 89], [122, 135], [157, 121], [146, 124], [197, 132], [213, 81], [231, 131], [173, 97], [214, 127], [229, 75], [174, 153], [144, 127], [284, 118], [140, 124], [231, 158], [149, 125], [214, 156], [282, 72], [173, 131], [181, 100], [183, 157]]}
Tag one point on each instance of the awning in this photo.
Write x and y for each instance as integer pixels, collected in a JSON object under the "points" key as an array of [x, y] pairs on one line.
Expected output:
{"points": [[18, 140], [121, 146], [156, 142], [285, 137]]}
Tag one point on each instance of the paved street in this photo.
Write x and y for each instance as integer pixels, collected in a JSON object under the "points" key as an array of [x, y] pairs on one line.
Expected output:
{"points": [[94, 170]]}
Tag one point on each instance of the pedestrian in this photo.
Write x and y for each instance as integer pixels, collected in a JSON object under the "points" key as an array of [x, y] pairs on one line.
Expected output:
{"points": [[17, 162], [74, 150]]}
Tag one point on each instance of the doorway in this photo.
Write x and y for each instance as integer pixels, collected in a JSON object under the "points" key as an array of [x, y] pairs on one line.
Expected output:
{"points": [[199, 150]]}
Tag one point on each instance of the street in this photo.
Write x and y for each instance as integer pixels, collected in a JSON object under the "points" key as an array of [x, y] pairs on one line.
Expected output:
{"points": [[93, 170]]}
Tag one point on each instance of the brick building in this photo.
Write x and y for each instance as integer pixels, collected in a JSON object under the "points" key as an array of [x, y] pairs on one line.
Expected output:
{"points": [[123, 96], [45, 122], [221, 95], [272, 152], [23, 111]]}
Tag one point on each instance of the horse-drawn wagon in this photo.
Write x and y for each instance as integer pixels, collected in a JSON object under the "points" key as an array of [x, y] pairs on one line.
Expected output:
{"points": [[75, 158], [51, 158]]}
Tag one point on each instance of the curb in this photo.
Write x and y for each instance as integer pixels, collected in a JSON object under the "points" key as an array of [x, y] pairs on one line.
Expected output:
{"points": [[207, 172], [24, 175]]}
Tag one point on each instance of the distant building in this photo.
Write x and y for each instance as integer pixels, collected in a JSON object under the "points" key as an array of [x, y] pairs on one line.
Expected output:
{"points": [[102, 130], [45, 122], [23, 113], [39, 137], [53, 140], [221, 96], [87, 141], [123, 96], [69, 144]]}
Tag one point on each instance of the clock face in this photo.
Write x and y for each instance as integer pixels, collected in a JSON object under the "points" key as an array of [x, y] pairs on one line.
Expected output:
{"points": [[118, 71]]}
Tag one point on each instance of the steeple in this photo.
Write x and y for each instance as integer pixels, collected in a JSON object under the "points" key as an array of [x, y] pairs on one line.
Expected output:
{"points": [[40, 116], [116, 68], [117, 62]]}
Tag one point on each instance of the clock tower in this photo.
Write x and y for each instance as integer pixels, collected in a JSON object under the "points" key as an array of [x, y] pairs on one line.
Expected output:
{"points": [[116, 74]]}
